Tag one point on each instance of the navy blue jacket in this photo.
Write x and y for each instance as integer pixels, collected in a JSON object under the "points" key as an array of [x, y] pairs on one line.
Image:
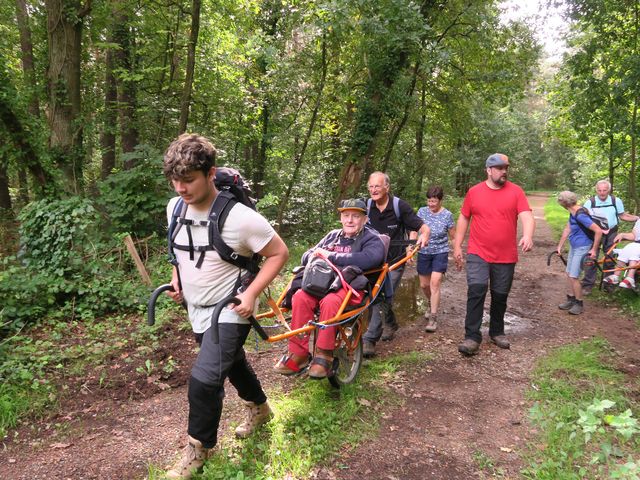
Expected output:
{"points": [[369, 252]]}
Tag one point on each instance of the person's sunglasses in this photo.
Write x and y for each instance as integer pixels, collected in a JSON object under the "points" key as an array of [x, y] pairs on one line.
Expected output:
{"points": [[502, 167]]}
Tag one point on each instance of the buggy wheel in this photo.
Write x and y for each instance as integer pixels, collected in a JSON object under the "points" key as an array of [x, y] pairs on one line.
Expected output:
{"points": [[347, 356]]}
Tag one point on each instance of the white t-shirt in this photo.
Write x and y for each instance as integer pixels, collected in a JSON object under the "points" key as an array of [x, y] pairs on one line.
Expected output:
{"points": [[246, 232]]}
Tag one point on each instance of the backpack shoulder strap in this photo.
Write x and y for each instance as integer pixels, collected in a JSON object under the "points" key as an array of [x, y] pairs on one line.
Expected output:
{"points": [[613, 202], [369, 201], [179, 211], [218, 214], [396, 207]]}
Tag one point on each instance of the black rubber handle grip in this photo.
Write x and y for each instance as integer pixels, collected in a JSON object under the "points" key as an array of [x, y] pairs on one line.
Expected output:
{"points": [[151, 306]]}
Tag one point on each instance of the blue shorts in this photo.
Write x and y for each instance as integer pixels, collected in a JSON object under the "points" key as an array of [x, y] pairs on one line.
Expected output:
{"points": [[432, 262], [574, 261]]}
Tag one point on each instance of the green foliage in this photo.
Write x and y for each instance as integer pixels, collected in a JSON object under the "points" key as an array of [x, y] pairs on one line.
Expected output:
{"points": [[55, 234], [36, 370], [135, 199], [65, 268], [555, 216], [580, 438]]}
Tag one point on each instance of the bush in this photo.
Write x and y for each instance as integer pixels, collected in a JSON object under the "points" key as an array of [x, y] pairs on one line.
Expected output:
{"points": [[55, 233], [135, 199]]}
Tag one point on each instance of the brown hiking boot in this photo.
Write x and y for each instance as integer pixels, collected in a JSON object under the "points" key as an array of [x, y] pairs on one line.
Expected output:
{"points": [[432, 323], [257, 415], [501, 341], [469, 347], [192, 460]]}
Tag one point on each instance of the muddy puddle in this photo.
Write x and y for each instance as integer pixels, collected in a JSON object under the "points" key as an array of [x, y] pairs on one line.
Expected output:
{"points": [[410, 304]]}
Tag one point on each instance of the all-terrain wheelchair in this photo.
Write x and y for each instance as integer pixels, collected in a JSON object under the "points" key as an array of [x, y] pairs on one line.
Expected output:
{"points": [[351, 321]]}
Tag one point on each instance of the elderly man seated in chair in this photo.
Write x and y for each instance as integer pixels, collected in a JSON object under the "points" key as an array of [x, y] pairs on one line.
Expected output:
{"points": [[354, 245], [629, 254]]}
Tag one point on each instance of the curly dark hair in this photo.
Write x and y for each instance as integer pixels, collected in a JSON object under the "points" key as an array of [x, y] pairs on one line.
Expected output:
{"points": [[187, 153]]}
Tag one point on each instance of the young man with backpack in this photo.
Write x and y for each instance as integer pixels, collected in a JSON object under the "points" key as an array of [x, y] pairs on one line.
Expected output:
{"points": [[606, 205], [584, 237], [394, 217], [201, 278]]}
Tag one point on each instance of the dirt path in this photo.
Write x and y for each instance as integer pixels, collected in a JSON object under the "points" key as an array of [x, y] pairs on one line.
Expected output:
{"points": [[457, 413]]}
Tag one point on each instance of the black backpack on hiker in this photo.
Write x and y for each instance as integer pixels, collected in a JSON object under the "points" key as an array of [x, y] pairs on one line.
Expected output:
{"points": [[600, 221], [606, 205], [232, 189]]}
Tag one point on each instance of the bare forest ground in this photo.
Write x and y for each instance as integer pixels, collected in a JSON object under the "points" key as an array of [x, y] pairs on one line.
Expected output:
{"points": [[451, 413]]}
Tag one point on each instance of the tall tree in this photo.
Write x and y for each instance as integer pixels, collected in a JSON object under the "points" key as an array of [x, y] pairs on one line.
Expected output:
{"points": [[64, 32], [191, 62]]}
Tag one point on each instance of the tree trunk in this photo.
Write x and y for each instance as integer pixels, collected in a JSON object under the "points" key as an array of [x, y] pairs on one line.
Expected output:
{"points": [[191, 63], [612, 158], [420, 129], [109, 126], [300, 155], [20, 137], [64, 31], [26, 49], [6, 208], [127, 85], [633, 192], [407, 109]]}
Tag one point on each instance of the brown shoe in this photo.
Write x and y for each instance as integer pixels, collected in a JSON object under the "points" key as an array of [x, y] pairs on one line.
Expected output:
{"points": [[291, 364], [501, 341], [257, 415], [469, 347], [192, 460], [321, 364], [432, 323]]}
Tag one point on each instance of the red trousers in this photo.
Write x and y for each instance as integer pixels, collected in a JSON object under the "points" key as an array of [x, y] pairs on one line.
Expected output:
{"points": [[302, 311]]}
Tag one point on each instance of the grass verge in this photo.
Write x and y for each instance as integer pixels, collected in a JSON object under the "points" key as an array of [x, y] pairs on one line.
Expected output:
{"points": [[313, 424], [586, 420]]}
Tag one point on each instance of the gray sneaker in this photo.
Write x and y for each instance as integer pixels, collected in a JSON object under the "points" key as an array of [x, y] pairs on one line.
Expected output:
{"points": [[368, 349], [432, 323], [577, 308], [469, 347], [501, 341], [571, 300]]}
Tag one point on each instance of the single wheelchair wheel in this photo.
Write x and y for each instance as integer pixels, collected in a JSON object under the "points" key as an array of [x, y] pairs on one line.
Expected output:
{"points": [[347, 356]]}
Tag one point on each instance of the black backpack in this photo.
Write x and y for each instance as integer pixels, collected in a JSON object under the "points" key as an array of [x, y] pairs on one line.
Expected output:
{"points": [[232, 189], [609, 205], [602, 222]]}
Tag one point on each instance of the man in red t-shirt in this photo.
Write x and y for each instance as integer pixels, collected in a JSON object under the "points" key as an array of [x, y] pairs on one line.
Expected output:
{"points": [[495, 206]]}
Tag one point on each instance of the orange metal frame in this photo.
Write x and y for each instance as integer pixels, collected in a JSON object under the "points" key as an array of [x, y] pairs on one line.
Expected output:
{"points": [[276, 312]]}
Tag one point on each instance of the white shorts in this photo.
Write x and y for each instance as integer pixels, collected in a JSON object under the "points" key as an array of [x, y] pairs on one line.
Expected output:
{"points": [[629, 253]]}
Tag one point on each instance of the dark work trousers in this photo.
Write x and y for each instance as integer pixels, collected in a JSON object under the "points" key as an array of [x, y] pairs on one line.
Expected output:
{"points": [[481, 276], [382, 311], [591, 272], [206, 386]]}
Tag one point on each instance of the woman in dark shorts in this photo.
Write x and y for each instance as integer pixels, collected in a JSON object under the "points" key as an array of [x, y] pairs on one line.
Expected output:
{"points": [[433, 259]]}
